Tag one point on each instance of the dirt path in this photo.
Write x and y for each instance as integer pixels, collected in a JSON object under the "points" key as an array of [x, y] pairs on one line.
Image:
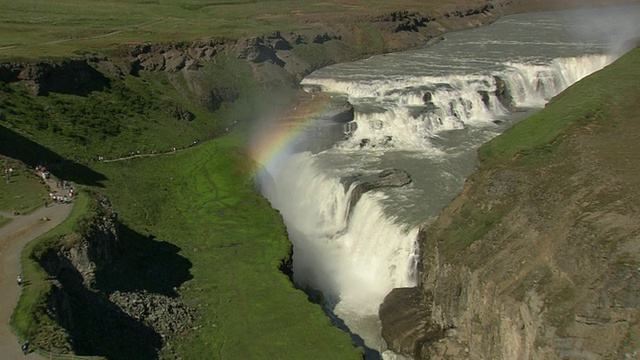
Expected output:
{"points": [[13, 237]]}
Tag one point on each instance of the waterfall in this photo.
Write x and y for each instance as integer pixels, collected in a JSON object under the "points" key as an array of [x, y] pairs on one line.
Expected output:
{"points": [[355, 254], [354, 257], [415, 108], [424, 111]]}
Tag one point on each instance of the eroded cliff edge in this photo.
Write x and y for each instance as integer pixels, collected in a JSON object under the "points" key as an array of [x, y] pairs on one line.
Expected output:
{"points": [[106, 294], [276, 60], [539, 256]]}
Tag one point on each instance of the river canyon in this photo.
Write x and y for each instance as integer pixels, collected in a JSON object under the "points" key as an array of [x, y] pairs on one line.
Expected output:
{"points": [[424, 112]]}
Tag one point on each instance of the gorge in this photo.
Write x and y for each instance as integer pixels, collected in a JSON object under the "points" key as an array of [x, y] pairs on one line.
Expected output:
{"points": [[195, 238], [425, 112]]}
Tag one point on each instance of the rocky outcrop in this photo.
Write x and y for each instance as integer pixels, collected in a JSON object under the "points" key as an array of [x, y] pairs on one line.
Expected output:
{"points": [[66, 76], [503, 94], [408, 328], [340, 111], [470, 11], [389, 178], [403, 21], [93, 248], [95, 318], [167, 316]]}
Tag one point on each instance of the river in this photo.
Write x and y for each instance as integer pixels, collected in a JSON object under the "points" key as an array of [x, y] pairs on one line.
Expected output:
{"points": [[425, 111]]}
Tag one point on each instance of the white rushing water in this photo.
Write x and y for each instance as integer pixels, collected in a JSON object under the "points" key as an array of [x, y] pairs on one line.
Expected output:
{"points": [[424, 111], [401, 112]]}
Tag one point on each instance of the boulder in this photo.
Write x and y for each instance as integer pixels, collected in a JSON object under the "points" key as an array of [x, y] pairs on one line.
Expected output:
{"points": [[339, 111], [503, 93], [385, 179], [407, 328], [256, 51]]}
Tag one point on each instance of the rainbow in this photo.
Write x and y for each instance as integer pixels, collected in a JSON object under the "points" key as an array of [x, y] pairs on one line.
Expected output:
{"points": [[272, 143]]}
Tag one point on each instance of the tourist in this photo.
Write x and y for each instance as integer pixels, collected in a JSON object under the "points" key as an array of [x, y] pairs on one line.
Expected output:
{"points": [[25, 348], [19, 279]]}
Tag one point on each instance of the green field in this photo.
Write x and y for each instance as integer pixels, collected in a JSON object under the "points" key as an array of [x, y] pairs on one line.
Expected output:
{"points": [[35, 28], [203, 201]]}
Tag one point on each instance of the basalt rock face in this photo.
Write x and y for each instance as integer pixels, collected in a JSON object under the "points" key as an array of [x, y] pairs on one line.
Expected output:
{"points": [[94, 316], [406, 314], [95, 247]]}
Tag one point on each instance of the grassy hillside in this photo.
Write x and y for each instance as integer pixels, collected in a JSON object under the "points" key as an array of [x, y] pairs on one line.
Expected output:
{"points": [[598, 103], [203, 201], [132, 114]]}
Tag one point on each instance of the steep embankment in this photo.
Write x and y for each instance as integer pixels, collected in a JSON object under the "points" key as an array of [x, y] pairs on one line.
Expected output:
{"points": [[539, 256]]}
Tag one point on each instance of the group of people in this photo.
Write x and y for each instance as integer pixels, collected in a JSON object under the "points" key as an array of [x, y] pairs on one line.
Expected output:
{"points": [[42, 171], [68, 192], [63, 199]]}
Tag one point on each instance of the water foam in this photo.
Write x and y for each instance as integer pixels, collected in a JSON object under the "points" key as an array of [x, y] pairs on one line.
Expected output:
{"points": [[416, 108], [354, 257]]}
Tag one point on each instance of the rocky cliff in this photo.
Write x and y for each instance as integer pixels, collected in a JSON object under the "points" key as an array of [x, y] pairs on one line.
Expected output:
{"points": [[94, 316], [539, 256], [277, 59]]}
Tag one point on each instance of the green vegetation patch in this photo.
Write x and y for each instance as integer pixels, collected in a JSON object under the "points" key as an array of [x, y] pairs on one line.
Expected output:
{"points": [[23, 192], [469, 225], [133, 115], [203, 201]]}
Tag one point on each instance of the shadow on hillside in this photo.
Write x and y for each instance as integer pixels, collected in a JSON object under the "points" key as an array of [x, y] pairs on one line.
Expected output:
{"points": [[31, 153], [95, 325], [98, 324], [147, 265]]}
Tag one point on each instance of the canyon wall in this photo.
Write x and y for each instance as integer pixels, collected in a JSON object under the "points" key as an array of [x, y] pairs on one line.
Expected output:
{"points": [[537, 258]]}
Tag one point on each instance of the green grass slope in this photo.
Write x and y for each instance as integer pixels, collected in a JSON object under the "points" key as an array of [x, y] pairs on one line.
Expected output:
{"points": [[599, 102], [203, 201]]}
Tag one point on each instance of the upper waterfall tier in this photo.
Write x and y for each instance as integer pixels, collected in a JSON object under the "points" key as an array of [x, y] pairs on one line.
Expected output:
{"points": [[473, 78]]}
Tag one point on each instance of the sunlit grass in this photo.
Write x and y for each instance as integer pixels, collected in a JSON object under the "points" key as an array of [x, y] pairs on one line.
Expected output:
{"points": [[203, 201], [60, 27], [23, 193]]}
